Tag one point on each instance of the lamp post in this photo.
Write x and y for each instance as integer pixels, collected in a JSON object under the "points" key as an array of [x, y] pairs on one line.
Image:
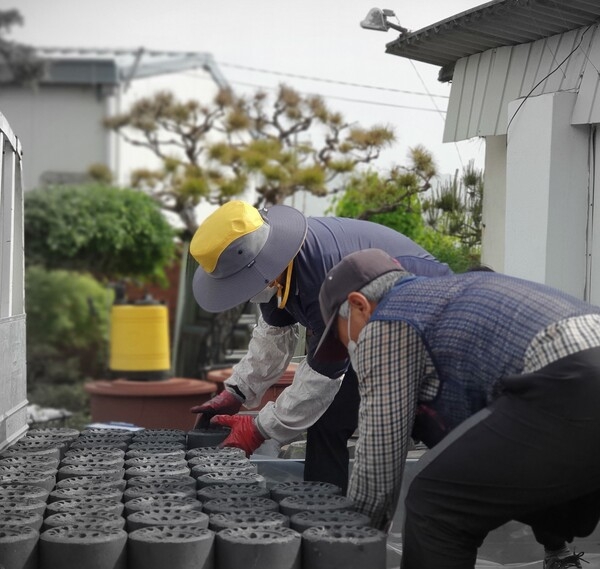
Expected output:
{"points": [[377, 19]]}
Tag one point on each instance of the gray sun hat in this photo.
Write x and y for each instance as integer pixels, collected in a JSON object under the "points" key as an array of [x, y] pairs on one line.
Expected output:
{"points": [[241, 250]]}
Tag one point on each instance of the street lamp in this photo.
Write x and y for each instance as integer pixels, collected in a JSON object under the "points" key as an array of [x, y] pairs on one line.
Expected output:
{"points": [[377, 20]]}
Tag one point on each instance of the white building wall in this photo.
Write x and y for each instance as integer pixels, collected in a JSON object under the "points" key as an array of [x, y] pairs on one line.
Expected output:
{"points": [[60, 128], [546, 193], [494, 203]]}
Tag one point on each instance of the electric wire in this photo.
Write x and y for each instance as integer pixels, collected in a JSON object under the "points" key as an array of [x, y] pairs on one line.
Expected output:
{"points": [[331, 81], [348, 99], [462, 164], [548, 75]]}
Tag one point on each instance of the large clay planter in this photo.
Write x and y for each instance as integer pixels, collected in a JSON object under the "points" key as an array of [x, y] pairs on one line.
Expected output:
{"points": [[344, 548], [240, 548], [150, 404], [159, 547]]}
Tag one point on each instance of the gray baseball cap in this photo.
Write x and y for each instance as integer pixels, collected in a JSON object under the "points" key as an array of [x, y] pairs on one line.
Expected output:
{"points": [[351, 274]]}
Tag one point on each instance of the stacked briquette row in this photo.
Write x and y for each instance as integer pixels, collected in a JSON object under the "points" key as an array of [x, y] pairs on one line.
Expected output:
{"points": [[117, 499]]}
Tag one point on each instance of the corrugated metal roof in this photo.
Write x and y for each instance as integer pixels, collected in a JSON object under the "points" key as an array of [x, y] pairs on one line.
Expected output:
{"points": [[83, 64], [491, 25], [485, 83]]}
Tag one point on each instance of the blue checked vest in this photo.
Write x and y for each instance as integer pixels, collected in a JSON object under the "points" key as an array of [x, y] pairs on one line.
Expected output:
{"points": [[476, 328]]}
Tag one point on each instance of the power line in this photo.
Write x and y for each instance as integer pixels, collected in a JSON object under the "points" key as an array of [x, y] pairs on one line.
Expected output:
{"points": [[332, 81], [348, 99], [441, 113]]}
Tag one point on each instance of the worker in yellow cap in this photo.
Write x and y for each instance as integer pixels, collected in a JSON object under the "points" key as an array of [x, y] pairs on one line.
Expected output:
{"points": [[278, 258]]}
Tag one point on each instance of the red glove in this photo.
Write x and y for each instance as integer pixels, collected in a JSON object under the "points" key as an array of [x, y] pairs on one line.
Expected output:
{"points": [[244, 432], [226, 403]]}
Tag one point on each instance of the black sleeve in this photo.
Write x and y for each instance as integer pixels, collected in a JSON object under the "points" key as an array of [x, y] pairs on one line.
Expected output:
{"points": [[275, 317]]}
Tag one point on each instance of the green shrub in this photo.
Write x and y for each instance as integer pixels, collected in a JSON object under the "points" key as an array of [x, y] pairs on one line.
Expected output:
{"points": [[108, 231], [67, 326], [449, 249]]}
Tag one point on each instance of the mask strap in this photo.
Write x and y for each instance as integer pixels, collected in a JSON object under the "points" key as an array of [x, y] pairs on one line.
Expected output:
{"points": [[349, 318], [286, 291]]}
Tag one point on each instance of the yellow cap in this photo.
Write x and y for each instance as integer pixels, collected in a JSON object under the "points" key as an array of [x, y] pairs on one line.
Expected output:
{"points": [[231, 221]]}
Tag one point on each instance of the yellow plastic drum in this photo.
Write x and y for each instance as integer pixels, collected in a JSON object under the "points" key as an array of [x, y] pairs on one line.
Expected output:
{"points": [[139, 341]]}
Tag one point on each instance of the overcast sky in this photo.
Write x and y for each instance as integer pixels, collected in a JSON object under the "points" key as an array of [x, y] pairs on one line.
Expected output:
{"points": [[268, 42]]}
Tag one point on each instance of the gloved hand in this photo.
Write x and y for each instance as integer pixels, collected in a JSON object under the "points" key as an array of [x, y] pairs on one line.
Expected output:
{"points": [[244, 432], [226, 403]]}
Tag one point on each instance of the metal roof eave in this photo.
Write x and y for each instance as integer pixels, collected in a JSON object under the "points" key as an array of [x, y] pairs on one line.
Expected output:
{"points": [[494, 24]]}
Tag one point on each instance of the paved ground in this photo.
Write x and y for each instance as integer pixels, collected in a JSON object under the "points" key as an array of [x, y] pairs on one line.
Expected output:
{"points": [[510, 546], [513, 558]]}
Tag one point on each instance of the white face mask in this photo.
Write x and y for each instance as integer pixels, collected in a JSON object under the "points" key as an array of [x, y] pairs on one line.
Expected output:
{"points": [[264, 295], [351, 343]]}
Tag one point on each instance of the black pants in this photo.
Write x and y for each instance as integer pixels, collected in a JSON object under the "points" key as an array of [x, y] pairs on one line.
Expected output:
{"points": [[532, 456], [327, 440]]}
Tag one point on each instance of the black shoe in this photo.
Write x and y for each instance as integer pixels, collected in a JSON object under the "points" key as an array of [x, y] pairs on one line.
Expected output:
{"points": [[564, 562]]}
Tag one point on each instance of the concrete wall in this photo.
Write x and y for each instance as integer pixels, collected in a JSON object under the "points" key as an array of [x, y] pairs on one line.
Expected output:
{"points": [[547, 182], [494, 203], [60, 128]]}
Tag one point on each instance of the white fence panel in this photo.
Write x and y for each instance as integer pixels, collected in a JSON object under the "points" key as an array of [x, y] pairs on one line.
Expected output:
{"points": [[13, 384]]}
